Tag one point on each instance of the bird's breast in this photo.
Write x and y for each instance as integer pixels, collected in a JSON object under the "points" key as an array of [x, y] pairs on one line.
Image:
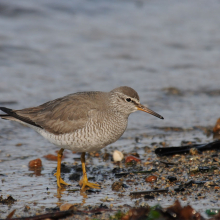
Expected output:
{"points": [[101, 132], [98, 133]]}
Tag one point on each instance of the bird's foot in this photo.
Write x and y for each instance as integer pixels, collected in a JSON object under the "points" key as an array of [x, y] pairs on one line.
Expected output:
{"points": [[60, 181], [84, 183]]}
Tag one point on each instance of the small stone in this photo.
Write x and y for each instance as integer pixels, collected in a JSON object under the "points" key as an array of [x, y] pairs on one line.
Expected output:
{"points": [[18, 144], [135, 154], [194, 169], [171, 178], [51, 157], [118, 156], [193, 151], [96, 155], [163, 144], [216, 129], [116, 186], [66, 206], [26, 208], [138, 139], [37, 163], [131, 158], [209, 183], [106, 156], [110, 199], [151, 179]]}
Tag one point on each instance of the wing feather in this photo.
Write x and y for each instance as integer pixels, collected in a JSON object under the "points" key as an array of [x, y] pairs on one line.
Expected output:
{"points": [[64, 115]]}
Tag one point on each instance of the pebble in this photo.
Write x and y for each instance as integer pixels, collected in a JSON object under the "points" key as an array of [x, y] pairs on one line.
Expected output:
{"points": [[194, 169], [66, 206], [131, 158], [194, 151], [37, 163], [116, 186], [51, 157], [117, 156], [26, 208], [106, 156], [138, 139], [171, 178], [96, 155], [209, 183], [135, 154], [216, 129], [151, 179]]}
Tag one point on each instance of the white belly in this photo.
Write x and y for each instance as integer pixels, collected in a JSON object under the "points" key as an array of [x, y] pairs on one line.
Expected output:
{"points": [[90, 138]]}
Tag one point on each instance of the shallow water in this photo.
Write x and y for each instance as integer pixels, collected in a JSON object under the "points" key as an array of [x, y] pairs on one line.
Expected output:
{"points": [[51, 48]]}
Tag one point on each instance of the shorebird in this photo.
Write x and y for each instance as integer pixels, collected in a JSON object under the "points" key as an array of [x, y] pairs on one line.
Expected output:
{"points": [[81, 122]]}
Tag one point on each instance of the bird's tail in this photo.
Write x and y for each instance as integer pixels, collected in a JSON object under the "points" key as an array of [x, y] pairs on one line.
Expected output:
{"points": [[7, 111], [13, 116]]}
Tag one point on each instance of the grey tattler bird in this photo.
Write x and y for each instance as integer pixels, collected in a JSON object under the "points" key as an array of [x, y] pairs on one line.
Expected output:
{"points": [[81, 122]]}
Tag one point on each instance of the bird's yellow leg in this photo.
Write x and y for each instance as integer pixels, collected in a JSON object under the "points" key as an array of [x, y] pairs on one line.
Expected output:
{"points": [[84, 181], [57, 174]]}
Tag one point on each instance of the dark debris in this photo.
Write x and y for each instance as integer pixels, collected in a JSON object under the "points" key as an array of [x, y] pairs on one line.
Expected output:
{"points": [[10, 200]]}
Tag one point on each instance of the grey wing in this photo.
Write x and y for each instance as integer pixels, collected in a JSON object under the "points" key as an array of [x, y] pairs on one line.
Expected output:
{"points": [[60, 116]]}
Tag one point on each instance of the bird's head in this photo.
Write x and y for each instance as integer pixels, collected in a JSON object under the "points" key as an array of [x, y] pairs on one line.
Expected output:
{"points": [[126, 100]]}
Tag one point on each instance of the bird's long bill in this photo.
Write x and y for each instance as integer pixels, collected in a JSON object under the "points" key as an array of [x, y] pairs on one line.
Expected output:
{"points": [[145, 109]]}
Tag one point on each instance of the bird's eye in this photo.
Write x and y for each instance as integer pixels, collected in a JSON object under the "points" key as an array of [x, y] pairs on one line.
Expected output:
{"points": [[128, 99]]}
